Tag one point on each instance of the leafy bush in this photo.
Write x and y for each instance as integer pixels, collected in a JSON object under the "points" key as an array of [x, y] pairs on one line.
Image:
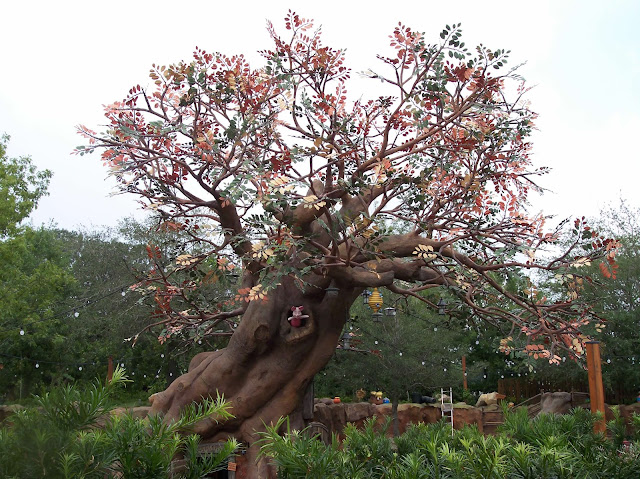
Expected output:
{"points": [[546, 447], [298, 454], [62, 438]]}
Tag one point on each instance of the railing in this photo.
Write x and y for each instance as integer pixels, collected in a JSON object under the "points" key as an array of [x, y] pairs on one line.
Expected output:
{"points": [[531, 400], [533, 405]]}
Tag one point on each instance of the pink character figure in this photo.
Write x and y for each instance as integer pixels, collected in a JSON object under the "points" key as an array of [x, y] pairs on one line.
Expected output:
{"points": [[296, 318]]}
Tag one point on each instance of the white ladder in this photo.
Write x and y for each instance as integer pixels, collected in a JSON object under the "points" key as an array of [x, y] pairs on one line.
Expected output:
{"points": [[446, 407]]}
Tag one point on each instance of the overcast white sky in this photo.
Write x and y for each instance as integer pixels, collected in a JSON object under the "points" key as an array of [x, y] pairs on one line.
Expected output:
{"points": [[61, 61]]}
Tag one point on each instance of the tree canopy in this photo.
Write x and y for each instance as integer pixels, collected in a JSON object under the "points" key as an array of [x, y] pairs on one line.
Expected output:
{"points": [[277, 174], [21, 186]]}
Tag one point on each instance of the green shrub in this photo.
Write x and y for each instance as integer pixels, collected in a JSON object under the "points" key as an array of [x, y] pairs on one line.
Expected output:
{"points": [[369, 446], [547, 447], [297, 454], [635, 426], [61, 438]]}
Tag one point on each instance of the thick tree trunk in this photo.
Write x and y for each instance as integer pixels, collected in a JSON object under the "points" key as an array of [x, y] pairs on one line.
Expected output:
{"points": [[266, 367]]}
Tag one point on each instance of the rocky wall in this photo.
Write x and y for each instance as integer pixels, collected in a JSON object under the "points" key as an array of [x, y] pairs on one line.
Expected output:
{"points": [[336, 416]]}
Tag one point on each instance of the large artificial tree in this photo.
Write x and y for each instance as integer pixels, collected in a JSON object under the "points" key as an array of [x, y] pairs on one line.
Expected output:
{"points": [[288, 183]]}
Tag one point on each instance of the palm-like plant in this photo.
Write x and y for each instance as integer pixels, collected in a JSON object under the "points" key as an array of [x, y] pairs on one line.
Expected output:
{"points": [[559, 447], [62, 438]]}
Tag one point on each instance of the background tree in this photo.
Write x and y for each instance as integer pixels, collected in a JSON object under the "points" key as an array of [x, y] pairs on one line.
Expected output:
{"points": [[21, 186], [68, 306], [616, 302], [101, 311], [418, 350], [411, 351], [396, 355], [619, 301], [276, 174], [34, 278], [65, 304]]}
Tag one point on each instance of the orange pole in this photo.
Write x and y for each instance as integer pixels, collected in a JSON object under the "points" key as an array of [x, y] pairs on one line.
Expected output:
{"points": [[464, 373], [110, 369], [596, 391]]}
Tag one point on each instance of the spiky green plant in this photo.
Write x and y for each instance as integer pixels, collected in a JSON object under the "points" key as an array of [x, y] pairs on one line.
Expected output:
{"points": [[370, 446], [617, 428], [412, 466], [298, 454], [63, 438], [635, 425], [548, 447]]}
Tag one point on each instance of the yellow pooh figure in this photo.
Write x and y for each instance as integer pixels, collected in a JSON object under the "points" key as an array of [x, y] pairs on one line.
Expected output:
{"points": [[376, 397]]}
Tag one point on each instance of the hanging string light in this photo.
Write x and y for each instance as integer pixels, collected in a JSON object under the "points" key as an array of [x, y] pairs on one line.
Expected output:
{"points": [[85, 303]]}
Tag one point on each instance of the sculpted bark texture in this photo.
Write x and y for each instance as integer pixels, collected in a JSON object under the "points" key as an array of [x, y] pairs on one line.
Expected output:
{"points": [[267, 365]]}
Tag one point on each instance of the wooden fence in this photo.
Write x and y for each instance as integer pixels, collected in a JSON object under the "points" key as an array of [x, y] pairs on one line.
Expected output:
{"points": [[522, 389]]}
